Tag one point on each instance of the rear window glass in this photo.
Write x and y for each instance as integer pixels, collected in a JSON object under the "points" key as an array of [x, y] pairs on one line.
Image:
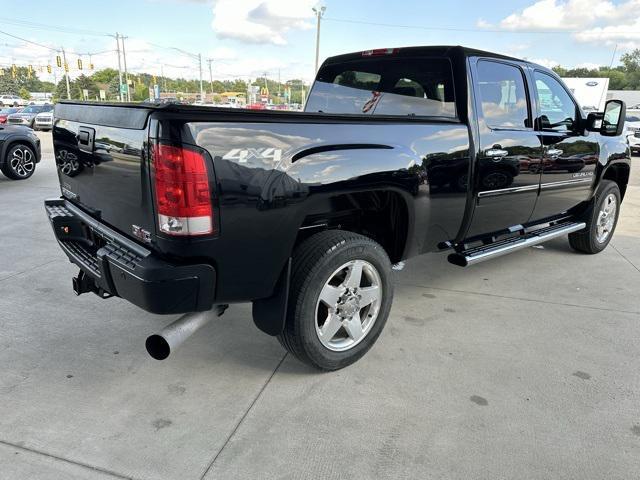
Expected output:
{"points": [[385, 86]]}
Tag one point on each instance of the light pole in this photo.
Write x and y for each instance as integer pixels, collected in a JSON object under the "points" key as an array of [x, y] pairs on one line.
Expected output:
{"points": [[119, 67], [319, 11], [210, 60], [126, 74], [200, 67], [66, 72]]}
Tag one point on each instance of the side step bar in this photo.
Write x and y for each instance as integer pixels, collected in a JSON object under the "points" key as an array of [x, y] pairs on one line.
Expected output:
{"points": [[526, 239]]}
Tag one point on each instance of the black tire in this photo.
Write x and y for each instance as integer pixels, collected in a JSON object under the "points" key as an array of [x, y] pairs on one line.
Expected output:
{"points": [[17, 169], [314, 262], [586, 241]]}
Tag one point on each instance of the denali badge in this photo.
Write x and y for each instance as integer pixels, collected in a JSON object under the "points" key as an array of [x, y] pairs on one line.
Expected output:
{"points": [[582, 174], [242, 155], [141, 233]]}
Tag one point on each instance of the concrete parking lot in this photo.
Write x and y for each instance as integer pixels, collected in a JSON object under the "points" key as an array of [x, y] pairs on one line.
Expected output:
{"points": [[524, 367]]}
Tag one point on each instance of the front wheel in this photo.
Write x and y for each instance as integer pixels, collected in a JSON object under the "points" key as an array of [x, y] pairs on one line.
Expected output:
{"points": [[601, 219], [341, 294], [20, 162]]}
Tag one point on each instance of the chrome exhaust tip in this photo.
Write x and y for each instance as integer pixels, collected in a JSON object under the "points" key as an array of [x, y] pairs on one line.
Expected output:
{"points": [[161, 344]]}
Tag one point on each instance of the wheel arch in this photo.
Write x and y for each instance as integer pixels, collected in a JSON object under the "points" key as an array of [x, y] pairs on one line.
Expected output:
{"points": [[331, 212], [619, 173]]}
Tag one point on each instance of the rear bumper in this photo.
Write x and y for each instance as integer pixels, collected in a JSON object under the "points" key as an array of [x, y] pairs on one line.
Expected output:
{"points": [[115, 265]]}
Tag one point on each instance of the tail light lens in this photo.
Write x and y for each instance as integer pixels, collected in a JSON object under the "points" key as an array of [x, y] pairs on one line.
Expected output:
{"points": [[183, 197]]}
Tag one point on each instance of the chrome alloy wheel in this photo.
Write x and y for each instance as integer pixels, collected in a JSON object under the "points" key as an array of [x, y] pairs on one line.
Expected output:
{"points": [[22, 161], [348, 305], [606, 218], [68, 162]]}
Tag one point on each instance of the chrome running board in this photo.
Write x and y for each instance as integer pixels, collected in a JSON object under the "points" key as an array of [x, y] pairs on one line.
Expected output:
{"points": [[527, 238]]}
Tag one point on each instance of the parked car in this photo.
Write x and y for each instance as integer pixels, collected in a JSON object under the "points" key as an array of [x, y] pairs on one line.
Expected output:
{"points": [[12, 101], [43, 121], [28, 114], [19, 152], [632, 126], [182, 209], [6, 111]]}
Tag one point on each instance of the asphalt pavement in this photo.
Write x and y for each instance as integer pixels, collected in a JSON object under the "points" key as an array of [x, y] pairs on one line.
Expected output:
{"points": [[527, 366]]}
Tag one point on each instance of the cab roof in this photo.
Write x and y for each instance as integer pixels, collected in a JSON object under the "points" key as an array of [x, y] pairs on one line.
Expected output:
{"points": [[435, 50]]}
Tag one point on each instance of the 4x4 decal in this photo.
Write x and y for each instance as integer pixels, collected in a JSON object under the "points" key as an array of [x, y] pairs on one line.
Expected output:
{"points": [[243, 155]]}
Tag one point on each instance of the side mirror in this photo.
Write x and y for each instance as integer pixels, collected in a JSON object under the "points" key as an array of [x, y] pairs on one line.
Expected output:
{"points": [[615, 112]]}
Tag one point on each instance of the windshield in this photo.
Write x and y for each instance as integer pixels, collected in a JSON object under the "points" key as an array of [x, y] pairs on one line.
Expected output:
{"points": [[9, 110], [385, 86], [37, 109], [631, 118]]}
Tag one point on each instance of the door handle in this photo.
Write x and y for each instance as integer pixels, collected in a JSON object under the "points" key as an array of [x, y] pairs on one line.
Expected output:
{"points": [[496, 153], [554, 152]]}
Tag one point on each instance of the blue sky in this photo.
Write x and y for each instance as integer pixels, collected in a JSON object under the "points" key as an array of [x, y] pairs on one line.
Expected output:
{"points": [[247, 37]]}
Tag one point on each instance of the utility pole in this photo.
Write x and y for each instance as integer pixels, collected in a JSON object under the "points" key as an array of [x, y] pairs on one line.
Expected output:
{"points": [[210, 60], [319, 11], [126, 74], [200, 67], [66, 72], [278, 85], [119, 67], [164, 80]]}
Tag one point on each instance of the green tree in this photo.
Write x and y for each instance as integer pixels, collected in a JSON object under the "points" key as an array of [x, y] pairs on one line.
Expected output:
{"points": [[106, 75], [84, 83], [631, 60], [24, 93], [60, 92]]}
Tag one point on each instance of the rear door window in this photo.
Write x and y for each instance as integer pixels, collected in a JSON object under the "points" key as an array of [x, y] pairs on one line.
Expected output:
{"points": [[503, 96], [385, 86]]}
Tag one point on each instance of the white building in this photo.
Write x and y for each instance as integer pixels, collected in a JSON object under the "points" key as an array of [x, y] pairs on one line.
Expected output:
{"points": [[591, 93]]}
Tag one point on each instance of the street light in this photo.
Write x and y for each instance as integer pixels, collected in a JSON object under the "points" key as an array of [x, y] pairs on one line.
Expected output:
{"points": [[319, 12]]}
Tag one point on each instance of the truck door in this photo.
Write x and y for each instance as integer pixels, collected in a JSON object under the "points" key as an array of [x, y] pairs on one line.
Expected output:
{"points": [[507, 170], [570, 157]]}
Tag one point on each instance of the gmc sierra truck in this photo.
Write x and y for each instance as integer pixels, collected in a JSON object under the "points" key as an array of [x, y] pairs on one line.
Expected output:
{"points": [[399, 152]]}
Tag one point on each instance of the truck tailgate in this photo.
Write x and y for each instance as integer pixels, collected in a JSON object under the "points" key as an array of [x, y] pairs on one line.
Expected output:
{"points": [[101, 161]]}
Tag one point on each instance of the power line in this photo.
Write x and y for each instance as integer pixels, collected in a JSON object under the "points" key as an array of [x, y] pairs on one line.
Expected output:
{"points": [[29, 41], [475, 30], [44, 26]]}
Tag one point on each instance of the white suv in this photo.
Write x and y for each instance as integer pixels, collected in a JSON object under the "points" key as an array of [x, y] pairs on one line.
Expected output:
{"points": [[632, 126], [12, 101]]}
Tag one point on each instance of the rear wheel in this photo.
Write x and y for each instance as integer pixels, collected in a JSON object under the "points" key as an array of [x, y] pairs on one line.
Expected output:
{"points": [[601, 219], [341, 294], [20, 162]]}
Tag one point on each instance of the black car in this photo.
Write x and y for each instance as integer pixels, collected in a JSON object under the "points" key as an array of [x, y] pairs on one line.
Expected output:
{"points": [[19, 151]]}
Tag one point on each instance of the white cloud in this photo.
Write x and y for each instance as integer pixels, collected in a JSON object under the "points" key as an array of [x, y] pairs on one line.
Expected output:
{"points": [[261, 21], [567, 15], [588, 65], [590, 21], [545, 62], [625, 35]]}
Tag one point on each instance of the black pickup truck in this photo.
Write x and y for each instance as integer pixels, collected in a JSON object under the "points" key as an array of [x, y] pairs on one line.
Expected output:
{"points": [[399, 152]]}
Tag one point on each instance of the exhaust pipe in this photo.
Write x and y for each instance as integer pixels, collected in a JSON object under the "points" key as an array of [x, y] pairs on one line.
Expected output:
{"points": [[161, 344]]}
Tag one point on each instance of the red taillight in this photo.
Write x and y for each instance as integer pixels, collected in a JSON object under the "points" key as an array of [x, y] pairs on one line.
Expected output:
{"points": [[380, 51], [183, 197]]}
